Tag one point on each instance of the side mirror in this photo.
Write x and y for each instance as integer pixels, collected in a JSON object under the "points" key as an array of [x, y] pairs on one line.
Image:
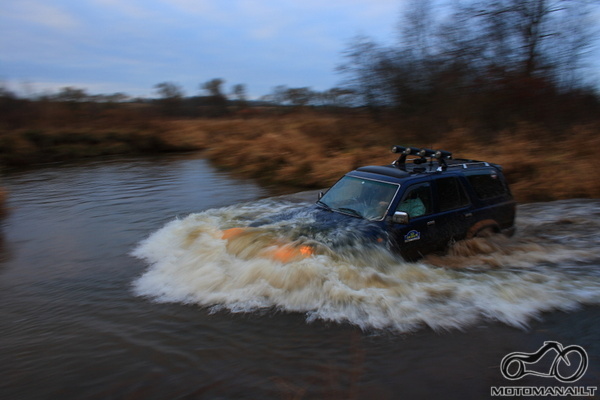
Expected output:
{"points": [[321, 194], [400, 218]]}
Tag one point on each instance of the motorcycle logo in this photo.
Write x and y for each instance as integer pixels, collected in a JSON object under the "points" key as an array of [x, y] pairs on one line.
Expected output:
{"points": [[514, 365]]}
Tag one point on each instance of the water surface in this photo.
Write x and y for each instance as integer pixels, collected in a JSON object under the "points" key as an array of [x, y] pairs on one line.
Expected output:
{"points": [[114, 283]]}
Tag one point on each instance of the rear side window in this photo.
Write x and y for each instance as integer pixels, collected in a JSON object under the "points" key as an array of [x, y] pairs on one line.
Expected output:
{"points": [[487, 185], [451, 194]]}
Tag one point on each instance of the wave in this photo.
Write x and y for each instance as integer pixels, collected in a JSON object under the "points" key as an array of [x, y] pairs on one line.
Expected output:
{"points": [[496, 279]]}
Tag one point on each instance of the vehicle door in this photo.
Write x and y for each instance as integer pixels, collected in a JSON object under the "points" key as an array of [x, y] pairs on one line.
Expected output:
{"points": [[417, 237], [454, 214], [493, 195]]}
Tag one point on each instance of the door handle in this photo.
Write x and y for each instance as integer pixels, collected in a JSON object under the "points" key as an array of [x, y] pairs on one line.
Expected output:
{"points": [[468, 215], [430, 223]]}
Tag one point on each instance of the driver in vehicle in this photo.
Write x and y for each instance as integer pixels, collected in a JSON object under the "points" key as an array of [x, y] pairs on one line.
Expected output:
{"points": [[412, 205]]}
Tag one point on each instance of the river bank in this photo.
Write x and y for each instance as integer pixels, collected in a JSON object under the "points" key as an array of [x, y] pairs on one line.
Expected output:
{"points": [[305, 151]]}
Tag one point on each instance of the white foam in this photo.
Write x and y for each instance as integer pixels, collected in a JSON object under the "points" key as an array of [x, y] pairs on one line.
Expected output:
{"points": [[189, 263]]}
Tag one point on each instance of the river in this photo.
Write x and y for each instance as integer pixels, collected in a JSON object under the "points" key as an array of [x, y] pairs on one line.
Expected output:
{"points": [[115, 284]]}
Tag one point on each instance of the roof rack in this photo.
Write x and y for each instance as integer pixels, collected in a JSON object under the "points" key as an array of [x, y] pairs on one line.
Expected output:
{"points": [[440, 155], [466, 163]]}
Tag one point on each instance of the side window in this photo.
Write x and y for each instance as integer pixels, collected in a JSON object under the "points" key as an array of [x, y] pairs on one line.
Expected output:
{"points": [[487, 185], [416, 202], [451, 194]]}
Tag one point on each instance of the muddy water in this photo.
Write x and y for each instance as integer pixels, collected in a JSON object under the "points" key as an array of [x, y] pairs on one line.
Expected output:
{"points": [[550, 265], [115, 282]]}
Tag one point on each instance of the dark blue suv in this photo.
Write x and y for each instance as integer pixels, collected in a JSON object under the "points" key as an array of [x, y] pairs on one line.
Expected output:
{"points": [[419, 204], [426, 202]]}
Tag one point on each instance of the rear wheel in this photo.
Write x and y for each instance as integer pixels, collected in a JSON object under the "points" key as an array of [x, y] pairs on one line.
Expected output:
{"points": [[485, 232], [484, 228]]}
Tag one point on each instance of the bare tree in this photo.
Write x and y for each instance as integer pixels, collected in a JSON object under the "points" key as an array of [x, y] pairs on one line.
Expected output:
{"points": [[532, 38], [370, 72], [494, 61], [217, 102], [213, 87], [171, 96], [300, 97], [278, 95], [169, 90], [238, 91], [72, 95], [417, 29]]}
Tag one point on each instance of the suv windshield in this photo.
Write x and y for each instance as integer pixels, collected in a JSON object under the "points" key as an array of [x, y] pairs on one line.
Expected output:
{"points": [[360, 197]]}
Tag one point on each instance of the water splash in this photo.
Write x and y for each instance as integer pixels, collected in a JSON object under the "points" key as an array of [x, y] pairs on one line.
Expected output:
{"points": [[508, 280]]}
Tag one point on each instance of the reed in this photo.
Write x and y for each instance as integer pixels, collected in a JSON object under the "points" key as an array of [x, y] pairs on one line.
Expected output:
{"points": [[310, 150]]}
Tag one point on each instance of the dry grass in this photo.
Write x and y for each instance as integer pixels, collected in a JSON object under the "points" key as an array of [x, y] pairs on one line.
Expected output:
{"points": [[305, 150], [32, 146], [311, 151]]}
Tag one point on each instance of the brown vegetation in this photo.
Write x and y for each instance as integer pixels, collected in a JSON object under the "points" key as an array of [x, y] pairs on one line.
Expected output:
{"points": [[313, 151], [32, 146]]}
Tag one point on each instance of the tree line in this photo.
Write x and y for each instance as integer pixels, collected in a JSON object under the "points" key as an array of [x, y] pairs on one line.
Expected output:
{"points": [[486, 65], [482, 64], [215, 102], [170, 100]]}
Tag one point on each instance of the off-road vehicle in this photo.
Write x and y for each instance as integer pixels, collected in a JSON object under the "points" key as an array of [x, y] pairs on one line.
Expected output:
{"points": [[420, 203], [427, 202]]}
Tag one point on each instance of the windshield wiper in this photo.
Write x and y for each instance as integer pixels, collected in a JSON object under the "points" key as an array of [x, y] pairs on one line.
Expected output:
{"points": [[350, 211], [325, 205]]}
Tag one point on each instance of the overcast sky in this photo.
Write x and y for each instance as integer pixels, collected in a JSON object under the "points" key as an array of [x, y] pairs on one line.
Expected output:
{"points": [[108, 46]]}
